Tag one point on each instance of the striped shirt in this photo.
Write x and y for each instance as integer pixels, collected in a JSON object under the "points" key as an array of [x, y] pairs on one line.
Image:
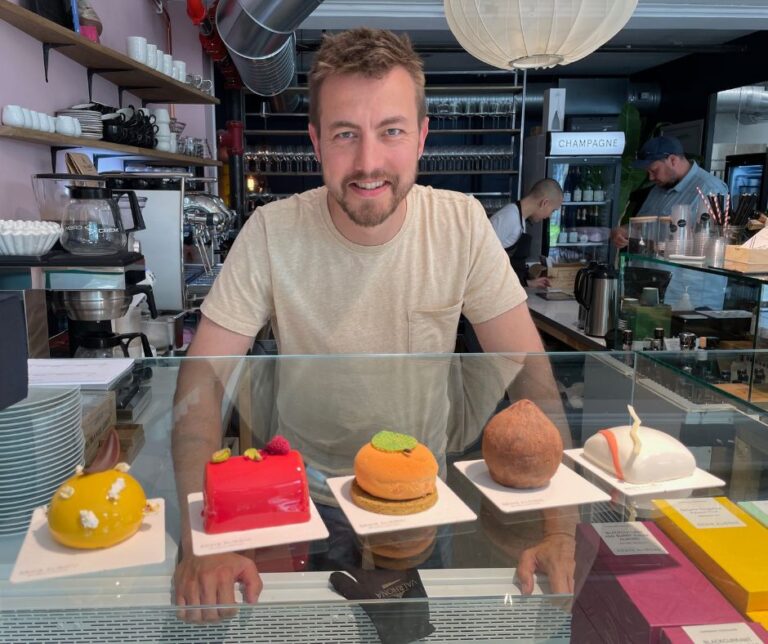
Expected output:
{"points": [[661, 200]]}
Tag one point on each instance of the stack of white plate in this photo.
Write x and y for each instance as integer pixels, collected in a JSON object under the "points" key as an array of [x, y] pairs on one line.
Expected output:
{"points": [[90, 122], [41, 444]]}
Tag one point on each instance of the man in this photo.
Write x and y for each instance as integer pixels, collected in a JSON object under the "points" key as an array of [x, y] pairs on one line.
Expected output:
{"points": [[544, 198], [676, 180], [369, 263]]}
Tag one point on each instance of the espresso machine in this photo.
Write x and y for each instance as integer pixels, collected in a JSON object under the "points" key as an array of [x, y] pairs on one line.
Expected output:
{"points": [[186, 232]]}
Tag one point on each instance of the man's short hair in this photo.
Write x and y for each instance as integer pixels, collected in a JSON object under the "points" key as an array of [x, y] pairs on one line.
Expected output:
{"points": [[370, 52], [546, 189]]}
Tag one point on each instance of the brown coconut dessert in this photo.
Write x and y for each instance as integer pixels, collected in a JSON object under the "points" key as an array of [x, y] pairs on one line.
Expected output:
{"points": [[522, 447]]}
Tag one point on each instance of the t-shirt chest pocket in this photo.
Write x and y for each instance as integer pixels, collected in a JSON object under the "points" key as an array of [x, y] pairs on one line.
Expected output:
{"points": [[433, 331]]}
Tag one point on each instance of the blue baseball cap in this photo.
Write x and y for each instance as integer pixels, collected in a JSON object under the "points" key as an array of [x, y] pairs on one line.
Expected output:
{"points": [[656, 149]]}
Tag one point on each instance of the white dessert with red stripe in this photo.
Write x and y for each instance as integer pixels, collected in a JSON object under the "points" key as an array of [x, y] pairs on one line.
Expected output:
{"points": [[639, 454]]}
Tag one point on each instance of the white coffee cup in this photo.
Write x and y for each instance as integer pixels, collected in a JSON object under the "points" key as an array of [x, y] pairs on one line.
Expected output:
{"points": [[65, 125], [174, 143], [136, 46], [180, 70], [51, 123], [151, 55], [159, 60], [163, 129], [167, 64], [27, 114], [161, 115], [78, 128], [35, 119], [13, 116], [163, 143]]}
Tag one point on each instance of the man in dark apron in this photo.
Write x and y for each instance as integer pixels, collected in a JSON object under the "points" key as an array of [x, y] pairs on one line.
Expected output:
{"points": [[545, 197]]}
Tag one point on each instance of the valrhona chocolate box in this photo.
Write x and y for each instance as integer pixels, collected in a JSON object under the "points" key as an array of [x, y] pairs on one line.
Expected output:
{"points": [[725, 542], [632, 581]]}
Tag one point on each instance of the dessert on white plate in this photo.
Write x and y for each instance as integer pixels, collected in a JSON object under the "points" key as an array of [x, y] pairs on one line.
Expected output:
{"points": [[639, 455]]}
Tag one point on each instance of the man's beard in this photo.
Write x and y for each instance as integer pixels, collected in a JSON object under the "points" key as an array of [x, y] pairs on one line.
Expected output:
{"points": [[371, 214]]}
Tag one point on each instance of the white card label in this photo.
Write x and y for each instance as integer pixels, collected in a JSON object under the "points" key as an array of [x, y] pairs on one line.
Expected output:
{"points": [[761, 505], [629, 539], [722, 634], [706, 513]]}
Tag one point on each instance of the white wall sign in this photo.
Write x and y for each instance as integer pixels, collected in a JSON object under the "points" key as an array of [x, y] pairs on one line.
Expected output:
{"points": [[586, 143]]}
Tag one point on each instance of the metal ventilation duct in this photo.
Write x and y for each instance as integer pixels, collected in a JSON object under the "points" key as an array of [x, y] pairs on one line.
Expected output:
{"points": [[259, 37], [749, 104]]}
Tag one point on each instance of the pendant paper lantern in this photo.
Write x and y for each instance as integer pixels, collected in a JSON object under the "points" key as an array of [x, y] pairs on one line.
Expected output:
{"points": [[527, 34]]}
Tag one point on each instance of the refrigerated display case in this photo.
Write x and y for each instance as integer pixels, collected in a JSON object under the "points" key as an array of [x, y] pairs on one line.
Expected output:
{"points": [[745, 174], [587, 165]]}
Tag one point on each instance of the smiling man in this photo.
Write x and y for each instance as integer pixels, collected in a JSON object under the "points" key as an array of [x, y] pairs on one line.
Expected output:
{"points": [[369, 263]]}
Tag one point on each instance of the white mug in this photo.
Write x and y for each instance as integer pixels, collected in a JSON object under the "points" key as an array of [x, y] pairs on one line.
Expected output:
{"points": [[27, 114], [162, 116], [51, 123], [35, 119], [136, 47], [159, 60], [13, 116], [163, 143], [151, 55], [179, 70], [65, 125], [167, 64], [163, 129]]}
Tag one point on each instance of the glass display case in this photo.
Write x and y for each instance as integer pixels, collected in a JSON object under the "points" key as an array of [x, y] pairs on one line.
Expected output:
{"points": [[473, 570], [727, 308]]}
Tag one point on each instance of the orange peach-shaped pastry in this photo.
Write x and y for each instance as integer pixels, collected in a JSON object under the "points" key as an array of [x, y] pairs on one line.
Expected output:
{"points": [[394, 474], [97, 510], [522, 447]]}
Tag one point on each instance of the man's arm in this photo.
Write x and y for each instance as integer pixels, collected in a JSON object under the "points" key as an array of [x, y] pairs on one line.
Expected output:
{"points": [[196, 435]]}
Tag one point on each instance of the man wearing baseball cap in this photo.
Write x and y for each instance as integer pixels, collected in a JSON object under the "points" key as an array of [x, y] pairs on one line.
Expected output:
{"points": [[676, 180]]}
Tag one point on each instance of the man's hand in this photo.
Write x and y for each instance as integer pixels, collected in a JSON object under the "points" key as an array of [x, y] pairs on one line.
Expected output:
{"points": [[620, 236], [556, 557], [210, 581], [539, 282]]}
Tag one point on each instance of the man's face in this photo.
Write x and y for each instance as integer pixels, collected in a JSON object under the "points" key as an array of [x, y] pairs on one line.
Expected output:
{"points": [[369, 143], [663, 172]]}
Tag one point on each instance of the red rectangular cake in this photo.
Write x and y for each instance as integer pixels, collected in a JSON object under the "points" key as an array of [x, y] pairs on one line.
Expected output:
{"points": [[243, 494]]}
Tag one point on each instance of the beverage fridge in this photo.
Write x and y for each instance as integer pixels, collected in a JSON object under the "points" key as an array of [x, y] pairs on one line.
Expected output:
{"points": [[587, 165], [745, 175]]}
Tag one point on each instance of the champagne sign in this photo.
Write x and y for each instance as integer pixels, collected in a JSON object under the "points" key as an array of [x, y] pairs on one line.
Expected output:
{"points": [[586, 143]]}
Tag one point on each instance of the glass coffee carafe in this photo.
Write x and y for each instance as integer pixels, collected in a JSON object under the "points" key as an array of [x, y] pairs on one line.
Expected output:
{"points": [[93, 224]]}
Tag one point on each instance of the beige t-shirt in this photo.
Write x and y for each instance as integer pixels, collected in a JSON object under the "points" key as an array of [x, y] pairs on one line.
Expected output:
{"points": [[327, 295]]}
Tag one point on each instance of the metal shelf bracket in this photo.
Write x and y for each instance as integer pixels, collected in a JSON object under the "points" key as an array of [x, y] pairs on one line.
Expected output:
{"points": [[47, 46]]}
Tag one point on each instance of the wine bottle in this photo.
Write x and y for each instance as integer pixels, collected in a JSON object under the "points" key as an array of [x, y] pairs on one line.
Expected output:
{"points": [[577, 190], [588, 193], [568, 186]]}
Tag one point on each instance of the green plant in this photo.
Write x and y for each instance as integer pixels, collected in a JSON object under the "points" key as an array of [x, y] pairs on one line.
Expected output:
{"points": [[631, 178]]}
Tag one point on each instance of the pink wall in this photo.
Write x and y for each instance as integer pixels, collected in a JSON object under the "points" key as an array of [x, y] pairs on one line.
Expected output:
{"points": [[22, 82]]}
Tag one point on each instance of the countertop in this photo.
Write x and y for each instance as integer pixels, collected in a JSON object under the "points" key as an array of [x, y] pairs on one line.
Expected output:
{"points": [[558, 319]]}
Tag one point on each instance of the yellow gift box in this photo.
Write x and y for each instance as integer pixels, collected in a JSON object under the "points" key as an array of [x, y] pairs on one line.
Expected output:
{"points": [[759, 616], [725, 543]]}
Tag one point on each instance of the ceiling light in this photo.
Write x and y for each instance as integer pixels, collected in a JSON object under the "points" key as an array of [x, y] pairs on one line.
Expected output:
{"points": [[528, 34]]}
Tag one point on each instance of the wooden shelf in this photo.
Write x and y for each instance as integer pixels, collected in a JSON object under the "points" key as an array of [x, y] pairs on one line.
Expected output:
{"points": [[62, 141], [148, 84]]}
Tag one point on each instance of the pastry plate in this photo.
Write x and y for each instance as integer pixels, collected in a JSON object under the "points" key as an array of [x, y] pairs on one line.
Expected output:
{"points": [[566, 488], [448, 509], [700, 479], [211, 544], [41, 557]]}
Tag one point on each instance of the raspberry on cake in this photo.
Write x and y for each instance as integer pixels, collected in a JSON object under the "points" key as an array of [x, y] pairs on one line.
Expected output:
{"points": [[262, 488]]}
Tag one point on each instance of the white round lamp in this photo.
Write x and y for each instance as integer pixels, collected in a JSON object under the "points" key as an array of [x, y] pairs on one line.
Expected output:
{"points": [[528, 34]]}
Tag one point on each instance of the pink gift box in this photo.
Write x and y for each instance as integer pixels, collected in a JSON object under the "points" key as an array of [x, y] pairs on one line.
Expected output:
{"points": [[582, 631], [677, 635], [630, 598]]}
